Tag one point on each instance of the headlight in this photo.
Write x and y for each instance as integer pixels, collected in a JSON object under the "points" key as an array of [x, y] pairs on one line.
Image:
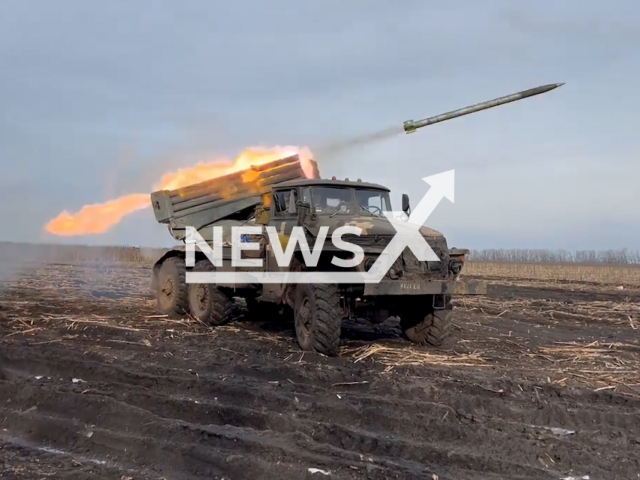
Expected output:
{"points": [[368, 263], [455, 266]]}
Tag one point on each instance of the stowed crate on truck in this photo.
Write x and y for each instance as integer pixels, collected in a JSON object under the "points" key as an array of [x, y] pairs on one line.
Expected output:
{"points": [[280, 194]]}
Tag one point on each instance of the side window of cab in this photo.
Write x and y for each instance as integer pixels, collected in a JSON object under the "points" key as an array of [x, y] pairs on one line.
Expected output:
{"points": [[284, 202], [306, 195]]}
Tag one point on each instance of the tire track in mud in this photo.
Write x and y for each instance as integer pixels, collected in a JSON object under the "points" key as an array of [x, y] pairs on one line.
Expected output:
{"points": [[231, 405], [303, 415], [52, 462], [323, 443]]}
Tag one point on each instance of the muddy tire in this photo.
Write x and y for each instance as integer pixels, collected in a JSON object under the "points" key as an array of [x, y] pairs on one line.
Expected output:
{"points": [[318, 318], [171, 288], [207, 302], [431, 329]]}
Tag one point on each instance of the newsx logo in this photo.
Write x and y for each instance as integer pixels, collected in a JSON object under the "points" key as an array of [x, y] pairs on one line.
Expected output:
{"points": [[407, 236], [239, 243]]}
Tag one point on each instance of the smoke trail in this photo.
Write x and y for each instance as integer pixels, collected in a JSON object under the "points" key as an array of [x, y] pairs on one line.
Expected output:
{"points": [[329, 149], [16, 260]]}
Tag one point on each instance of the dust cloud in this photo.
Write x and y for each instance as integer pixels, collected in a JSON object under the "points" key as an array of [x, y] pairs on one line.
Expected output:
{"points": [[19, 261], [16, 260]]}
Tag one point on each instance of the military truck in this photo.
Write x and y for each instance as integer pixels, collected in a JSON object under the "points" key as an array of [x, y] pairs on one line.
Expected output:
{"points": [[289, 193], [279, 195]]}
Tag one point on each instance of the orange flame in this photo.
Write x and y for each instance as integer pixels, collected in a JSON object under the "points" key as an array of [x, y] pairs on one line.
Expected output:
{"points": [[99, 218], [248, 158]]}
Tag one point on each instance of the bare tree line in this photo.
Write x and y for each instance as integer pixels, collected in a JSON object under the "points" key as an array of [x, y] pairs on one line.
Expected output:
{"points": [[618, 257], [82, 253]]}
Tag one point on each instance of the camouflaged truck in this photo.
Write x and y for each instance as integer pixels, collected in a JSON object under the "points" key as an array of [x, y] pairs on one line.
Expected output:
{"points": [[278, 194]]}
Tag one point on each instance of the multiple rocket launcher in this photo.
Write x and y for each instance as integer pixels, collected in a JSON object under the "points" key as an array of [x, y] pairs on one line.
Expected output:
{"points": [[207, 202]]}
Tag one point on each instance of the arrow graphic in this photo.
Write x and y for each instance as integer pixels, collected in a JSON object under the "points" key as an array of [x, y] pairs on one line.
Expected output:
{"points": [[408, 233], [442, 186]]}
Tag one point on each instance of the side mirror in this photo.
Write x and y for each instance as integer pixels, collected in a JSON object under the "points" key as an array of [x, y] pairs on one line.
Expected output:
{"points": [[405, 204], [303, 209]]}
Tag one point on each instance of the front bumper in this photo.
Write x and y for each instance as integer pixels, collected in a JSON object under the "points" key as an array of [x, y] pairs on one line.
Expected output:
{"points": [[433, 287]]}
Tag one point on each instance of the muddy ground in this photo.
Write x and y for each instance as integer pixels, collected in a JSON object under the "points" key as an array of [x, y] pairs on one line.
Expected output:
{"points": [[540, 382]]}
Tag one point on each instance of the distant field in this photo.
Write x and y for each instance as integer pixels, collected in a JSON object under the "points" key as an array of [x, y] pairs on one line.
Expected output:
{"points": [[15, 255], [563, 272]]}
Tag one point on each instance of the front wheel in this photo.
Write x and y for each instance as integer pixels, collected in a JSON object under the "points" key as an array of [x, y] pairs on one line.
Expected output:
{"points": [[432, 328], [318, 318]]}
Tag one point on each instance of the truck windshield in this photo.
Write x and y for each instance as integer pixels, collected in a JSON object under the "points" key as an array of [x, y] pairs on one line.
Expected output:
{"points": [[332, 200], [374, 202]]}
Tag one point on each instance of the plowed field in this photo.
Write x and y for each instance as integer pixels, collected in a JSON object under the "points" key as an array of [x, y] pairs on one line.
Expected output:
{"points": [[540, 382]]}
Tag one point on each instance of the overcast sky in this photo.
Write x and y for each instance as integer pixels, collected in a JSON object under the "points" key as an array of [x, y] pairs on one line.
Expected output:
{"points": [[97, 99]]}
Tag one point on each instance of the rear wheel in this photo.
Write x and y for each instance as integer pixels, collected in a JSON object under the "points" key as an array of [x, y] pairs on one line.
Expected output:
{"points": [[432, 328], [171, 288], [207, 302], [318, 318]]}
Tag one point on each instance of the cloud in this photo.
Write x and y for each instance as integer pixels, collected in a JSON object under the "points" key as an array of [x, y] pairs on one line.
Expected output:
{"points": [[568, 23], [100, 98]]}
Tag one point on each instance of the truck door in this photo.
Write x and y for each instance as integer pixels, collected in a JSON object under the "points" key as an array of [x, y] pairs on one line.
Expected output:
{"points": [[283, 218]]}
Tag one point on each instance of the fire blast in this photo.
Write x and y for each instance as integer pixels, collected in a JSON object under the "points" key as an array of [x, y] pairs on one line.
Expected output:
{"points": [[99, 218]]}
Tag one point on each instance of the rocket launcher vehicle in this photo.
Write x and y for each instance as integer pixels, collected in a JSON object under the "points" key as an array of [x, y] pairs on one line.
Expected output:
{"points": [[224, 197]]}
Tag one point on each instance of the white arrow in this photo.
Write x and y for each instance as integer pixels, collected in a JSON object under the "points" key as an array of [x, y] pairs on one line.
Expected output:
{"points": [[442, 186]]}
